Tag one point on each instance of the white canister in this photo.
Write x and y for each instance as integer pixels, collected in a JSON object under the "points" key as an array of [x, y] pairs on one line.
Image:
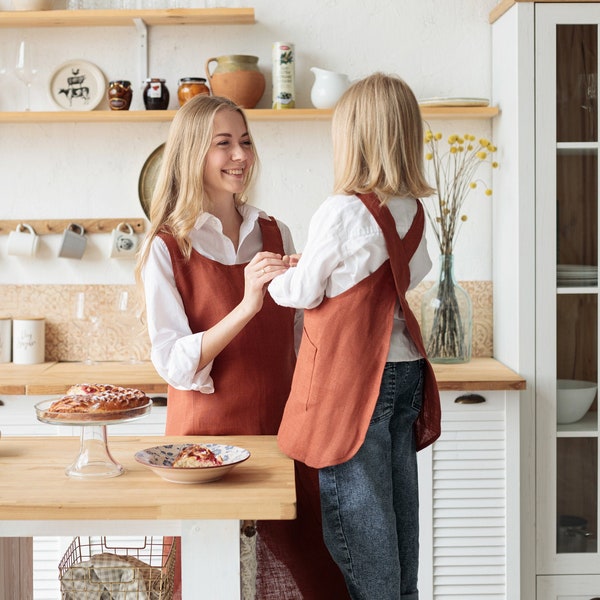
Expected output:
{"points": [[5, 339], [28, 340]]}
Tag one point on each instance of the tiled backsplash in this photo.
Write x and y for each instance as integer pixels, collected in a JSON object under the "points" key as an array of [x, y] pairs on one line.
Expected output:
{"points": [[120, 337]]}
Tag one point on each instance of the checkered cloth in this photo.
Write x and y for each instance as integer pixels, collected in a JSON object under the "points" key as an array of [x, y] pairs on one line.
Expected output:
{"points": [[111, 577]]}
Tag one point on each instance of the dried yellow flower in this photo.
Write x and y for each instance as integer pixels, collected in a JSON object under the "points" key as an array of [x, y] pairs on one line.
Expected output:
{"points": [[454, 172]]}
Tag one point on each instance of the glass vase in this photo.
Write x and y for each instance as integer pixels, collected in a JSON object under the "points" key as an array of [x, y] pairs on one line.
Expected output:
{"points": [[447, 318]]}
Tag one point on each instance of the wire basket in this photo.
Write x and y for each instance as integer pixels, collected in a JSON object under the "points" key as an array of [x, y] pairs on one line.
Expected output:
{"points": [[94, 569]]}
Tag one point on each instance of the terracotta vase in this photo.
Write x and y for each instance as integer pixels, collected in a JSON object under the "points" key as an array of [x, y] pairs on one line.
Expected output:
{"points": [[238, 78]]}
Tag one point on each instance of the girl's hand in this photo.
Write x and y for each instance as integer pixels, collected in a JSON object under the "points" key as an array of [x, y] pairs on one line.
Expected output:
{"points": [[292, 259], [258, 273]]}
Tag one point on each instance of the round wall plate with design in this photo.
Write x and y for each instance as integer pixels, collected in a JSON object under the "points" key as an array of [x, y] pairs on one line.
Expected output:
{"points": [[148, 177], [77, 85]]}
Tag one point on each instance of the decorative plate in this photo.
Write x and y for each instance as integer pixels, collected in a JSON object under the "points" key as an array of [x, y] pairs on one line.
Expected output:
{"points": [[77, 85], [148, 177], [160, 458], [447, 101]]}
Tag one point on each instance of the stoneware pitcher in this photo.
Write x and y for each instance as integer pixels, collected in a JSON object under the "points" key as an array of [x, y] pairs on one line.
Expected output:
{"points": [[327, 88], [238, 78]]}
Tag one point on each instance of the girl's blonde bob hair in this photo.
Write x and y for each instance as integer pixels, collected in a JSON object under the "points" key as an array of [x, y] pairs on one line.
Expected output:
{"points": [[378, 140], [179, 197]]}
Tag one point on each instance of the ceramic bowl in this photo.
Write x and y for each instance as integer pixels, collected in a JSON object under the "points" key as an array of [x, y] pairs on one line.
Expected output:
{"points": [[160, 460], [573, 399]]}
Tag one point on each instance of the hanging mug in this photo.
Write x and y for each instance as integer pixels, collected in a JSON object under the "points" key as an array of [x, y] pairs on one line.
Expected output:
{"points": [[74, 241], [23, 241], [123, 241]]}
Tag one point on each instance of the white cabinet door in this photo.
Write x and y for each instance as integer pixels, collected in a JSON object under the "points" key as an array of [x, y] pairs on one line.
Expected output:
{"points": [[469, 501], [569, 587]]}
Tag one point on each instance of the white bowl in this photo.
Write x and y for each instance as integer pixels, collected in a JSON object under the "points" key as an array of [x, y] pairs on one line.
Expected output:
{"points": [[160, 460], [573, 399]]}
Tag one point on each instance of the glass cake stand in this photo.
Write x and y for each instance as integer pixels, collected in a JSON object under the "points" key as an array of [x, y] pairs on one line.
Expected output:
{"points": [[94, 460]]}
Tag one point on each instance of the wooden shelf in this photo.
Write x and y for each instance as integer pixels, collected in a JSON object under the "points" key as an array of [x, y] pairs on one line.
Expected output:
{"points": [[46, 226], [115, 18], [162, 116]]}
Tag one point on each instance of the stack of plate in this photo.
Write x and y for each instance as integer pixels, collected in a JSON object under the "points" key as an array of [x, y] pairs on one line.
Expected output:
{"points": [[577, 275]]}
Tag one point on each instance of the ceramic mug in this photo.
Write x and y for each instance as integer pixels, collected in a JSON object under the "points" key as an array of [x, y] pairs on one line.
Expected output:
{"points": [[74, 241], [123, 242], [23, 241]]}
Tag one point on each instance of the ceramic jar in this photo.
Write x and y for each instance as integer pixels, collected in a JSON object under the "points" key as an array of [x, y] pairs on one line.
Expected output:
{"points": [[119, 94], [238, 78], [156, 94], [188, 87], [327, 88]]}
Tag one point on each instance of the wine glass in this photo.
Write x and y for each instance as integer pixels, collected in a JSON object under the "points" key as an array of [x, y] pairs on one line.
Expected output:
{"points": [[88, 323], [130, 317], [25, 67]]}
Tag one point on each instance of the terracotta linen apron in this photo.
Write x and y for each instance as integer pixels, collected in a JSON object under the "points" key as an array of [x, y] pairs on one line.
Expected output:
{"points": [[342, 355], [252, 378], [428, 423]]}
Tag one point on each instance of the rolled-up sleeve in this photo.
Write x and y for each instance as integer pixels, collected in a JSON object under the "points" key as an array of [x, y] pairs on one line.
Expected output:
{"points": [[176, 351]]}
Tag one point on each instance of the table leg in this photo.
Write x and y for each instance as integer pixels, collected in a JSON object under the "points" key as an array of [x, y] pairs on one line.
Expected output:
{"points": [[210, 559]]}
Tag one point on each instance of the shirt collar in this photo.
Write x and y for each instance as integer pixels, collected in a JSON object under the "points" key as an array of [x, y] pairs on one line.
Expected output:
{"points": [[250, 215]]}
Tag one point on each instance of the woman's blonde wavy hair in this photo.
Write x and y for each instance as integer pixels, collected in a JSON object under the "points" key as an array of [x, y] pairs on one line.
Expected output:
{"points": [[179, 197], [377, 134]]}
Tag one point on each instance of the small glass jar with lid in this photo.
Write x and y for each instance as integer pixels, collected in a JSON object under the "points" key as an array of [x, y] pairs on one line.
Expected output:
{"points": [[156, 94], [190, 87]]}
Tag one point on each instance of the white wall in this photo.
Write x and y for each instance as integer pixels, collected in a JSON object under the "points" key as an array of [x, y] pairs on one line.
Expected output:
{"points": [[74, 170]]}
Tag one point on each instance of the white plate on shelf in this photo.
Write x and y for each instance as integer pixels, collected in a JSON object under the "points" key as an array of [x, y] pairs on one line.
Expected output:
{"points": [[77, 85], [452, 101]]}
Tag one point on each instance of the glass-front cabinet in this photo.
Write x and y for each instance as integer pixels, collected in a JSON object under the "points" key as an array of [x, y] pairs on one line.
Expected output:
{"points": [[567, 288], [546, 253]]}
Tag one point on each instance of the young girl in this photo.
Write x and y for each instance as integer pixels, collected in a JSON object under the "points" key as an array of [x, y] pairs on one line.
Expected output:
{"points": [[364, 398], [224, 347]]}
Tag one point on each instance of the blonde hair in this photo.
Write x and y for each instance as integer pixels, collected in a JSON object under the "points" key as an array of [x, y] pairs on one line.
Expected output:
{"points": [[179, 197], [378, 140]]}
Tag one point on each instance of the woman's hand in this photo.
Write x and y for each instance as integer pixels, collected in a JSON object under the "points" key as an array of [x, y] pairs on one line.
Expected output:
{"points": [[257, 274]]}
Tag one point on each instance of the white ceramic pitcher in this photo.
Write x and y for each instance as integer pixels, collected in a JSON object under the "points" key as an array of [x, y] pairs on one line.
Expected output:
{"points": [[327, 88]]}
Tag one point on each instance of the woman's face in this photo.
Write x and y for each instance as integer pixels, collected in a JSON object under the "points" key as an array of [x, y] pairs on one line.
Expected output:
{"points": [[229, 157]]}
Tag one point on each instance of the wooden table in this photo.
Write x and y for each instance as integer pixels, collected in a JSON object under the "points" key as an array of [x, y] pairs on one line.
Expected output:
{"points": [[37, 498], [55, 378]]}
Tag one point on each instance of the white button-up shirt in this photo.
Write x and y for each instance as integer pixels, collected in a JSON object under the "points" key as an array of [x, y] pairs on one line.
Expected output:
{"points": [[345, 244], [176, 351]]}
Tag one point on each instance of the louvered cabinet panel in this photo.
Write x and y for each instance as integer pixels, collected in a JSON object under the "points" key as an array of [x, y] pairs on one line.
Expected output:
{"points": [[465, 500]]}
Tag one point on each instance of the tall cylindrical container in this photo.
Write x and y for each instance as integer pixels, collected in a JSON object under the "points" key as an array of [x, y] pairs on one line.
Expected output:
{"points": [[284, 77], [5, 339], [29, 340]]}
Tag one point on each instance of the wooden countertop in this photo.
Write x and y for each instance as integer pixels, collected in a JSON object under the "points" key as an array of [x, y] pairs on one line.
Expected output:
{"points": [[260, 488], [55, 377]]}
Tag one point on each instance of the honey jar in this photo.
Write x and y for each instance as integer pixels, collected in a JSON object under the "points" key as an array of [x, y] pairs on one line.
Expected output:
{"points": [[190, 87], [119, 95]]}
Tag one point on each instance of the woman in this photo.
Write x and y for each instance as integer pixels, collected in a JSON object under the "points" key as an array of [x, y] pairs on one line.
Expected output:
{"points": [[224, 347]]}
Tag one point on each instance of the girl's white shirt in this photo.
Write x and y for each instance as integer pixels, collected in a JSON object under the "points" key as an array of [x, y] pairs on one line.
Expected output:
{"points": [[176, 351], [345, 244]]}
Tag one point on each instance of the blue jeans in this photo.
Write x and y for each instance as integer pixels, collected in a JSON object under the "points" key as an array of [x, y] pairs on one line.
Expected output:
{"points": [[370, 504]]}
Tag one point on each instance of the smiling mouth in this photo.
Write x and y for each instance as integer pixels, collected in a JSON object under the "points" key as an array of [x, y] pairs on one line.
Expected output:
{"points": [[233, 171]]}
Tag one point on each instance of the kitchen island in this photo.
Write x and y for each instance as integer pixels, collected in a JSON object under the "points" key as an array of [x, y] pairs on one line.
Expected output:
{"points": [[38, 499]]}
